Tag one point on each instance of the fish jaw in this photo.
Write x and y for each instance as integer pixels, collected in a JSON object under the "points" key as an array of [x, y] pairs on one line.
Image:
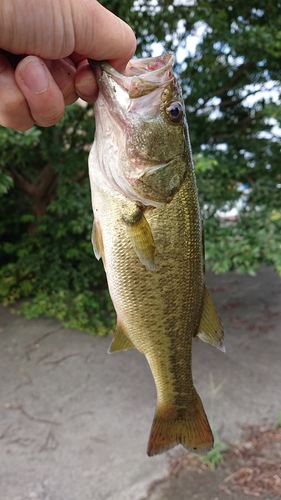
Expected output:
{"points": [[133, 112], [136, 95], [143, 77]]}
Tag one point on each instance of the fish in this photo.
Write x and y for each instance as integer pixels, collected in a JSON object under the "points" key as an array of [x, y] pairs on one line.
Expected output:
{"points": [[148, 232]]}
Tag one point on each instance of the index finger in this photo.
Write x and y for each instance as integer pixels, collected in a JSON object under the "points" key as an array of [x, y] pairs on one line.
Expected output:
{"points": [[108, 38]]}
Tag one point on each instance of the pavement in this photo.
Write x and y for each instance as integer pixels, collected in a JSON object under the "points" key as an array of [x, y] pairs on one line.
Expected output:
{"points": [[74, 421]]}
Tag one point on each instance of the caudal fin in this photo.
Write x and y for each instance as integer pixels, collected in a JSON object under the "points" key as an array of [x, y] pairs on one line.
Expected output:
{"points": [[186, 426]]}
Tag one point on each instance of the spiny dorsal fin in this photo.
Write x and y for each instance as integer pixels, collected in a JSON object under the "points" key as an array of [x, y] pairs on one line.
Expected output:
{"points": [[97, 240], [120, 341], [141, 236], [210, 328]]}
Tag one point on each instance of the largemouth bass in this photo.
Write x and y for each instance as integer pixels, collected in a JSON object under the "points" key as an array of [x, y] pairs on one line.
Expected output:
{"points": [[148, 232]]}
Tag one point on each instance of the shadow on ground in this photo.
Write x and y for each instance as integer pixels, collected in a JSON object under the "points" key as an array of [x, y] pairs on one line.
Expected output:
{"points": [[74, 421]]}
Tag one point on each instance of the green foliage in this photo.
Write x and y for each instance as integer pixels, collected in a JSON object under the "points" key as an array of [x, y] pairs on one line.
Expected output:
{"points": [[234, 128], [245, 244], [56, 270], [6, 182], [214, 457], [46, 254], [234, 121], [45, 212]]}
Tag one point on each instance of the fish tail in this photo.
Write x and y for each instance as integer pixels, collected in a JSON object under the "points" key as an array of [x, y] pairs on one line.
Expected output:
{"points": [[186, 426]]}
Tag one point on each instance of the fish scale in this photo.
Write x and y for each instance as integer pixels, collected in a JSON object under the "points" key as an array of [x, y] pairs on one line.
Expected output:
{"points": [[148, 231]]}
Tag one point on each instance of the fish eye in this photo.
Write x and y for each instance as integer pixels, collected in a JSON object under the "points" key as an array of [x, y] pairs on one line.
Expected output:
{"points": [[175, 111]]}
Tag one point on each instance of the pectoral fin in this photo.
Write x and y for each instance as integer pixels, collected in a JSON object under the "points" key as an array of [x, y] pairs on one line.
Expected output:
{"points": [[210, 328], [120, 341], [141, 236], [97, 240]]}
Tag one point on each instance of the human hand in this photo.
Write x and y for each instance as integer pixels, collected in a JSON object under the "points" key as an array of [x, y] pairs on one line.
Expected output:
{"points": [[57, 37]]}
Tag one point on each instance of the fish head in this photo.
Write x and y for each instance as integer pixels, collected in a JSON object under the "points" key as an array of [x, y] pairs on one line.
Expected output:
{"points": [[142, 113]]}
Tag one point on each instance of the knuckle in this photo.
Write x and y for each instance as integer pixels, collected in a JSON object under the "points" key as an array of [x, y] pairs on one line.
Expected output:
{"points": [[12, 102], [14, 113], [44, 120], [70, 97], [16, 124]]}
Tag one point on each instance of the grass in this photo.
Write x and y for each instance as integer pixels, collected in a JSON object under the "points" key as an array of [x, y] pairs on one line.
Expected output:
{"points": [[214, 457]]}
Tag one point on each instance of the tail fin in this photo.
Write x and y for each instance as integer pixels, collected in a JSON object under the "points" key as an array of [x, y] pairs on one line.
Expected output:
{"points": [[186, 426]]}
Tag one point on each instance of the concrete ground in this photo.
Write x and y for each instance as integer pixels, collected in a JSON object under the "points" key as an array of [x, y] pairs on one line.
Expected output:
{"points": [[74, 421]]}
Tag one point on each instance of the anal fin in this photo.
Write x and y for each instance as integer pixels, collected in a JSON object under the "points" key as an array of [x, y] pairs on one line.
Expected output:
{"points": [[120, 341], [210, 328]]}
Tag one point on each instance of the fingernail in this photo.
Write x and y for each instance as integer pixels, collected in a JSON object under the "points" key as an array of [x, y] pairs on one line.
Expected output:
{"points": [[85, 84], [34, 74]]}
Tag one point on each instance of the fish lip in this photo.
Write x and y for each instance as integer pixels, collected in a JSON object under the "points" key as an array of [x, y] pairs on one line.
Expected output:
{"points": [[142, 75]]}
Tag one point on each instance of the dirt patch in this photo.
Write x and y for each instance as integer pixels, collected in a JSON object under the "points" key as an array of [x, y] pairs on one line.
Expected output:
{"points": [[250, 470], [256, 464]]}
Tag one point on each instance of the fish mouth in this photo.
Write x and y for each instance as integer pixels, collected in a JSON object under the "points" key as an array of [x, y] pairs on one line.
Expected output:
{"points": [[142, 76], [125, 105]]}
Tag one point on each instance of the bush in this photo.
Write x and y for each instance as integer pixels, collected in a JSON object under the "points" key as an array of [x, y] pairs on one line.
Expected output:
{"points": [[46, 254]]}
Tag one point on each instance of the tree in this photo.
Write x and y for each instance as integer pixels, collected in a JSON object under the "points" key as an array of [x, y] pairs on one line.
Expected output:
{"points": [[46, 221], [234, 123], [236, 126]]}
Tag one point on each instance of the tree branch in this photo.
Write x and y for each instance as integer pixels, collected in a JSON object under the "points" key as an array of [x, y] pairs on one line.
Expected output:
{"points": [[249, 65], [229, 84], [47, 178], [78, 177], [41, 191], [240, 126], [21, 182]]}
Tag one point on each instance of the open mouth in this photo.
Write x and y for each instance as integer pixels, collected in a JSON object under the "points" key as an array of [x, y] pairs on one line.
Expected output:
{"points": [[142, 76], [152, 67]]}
